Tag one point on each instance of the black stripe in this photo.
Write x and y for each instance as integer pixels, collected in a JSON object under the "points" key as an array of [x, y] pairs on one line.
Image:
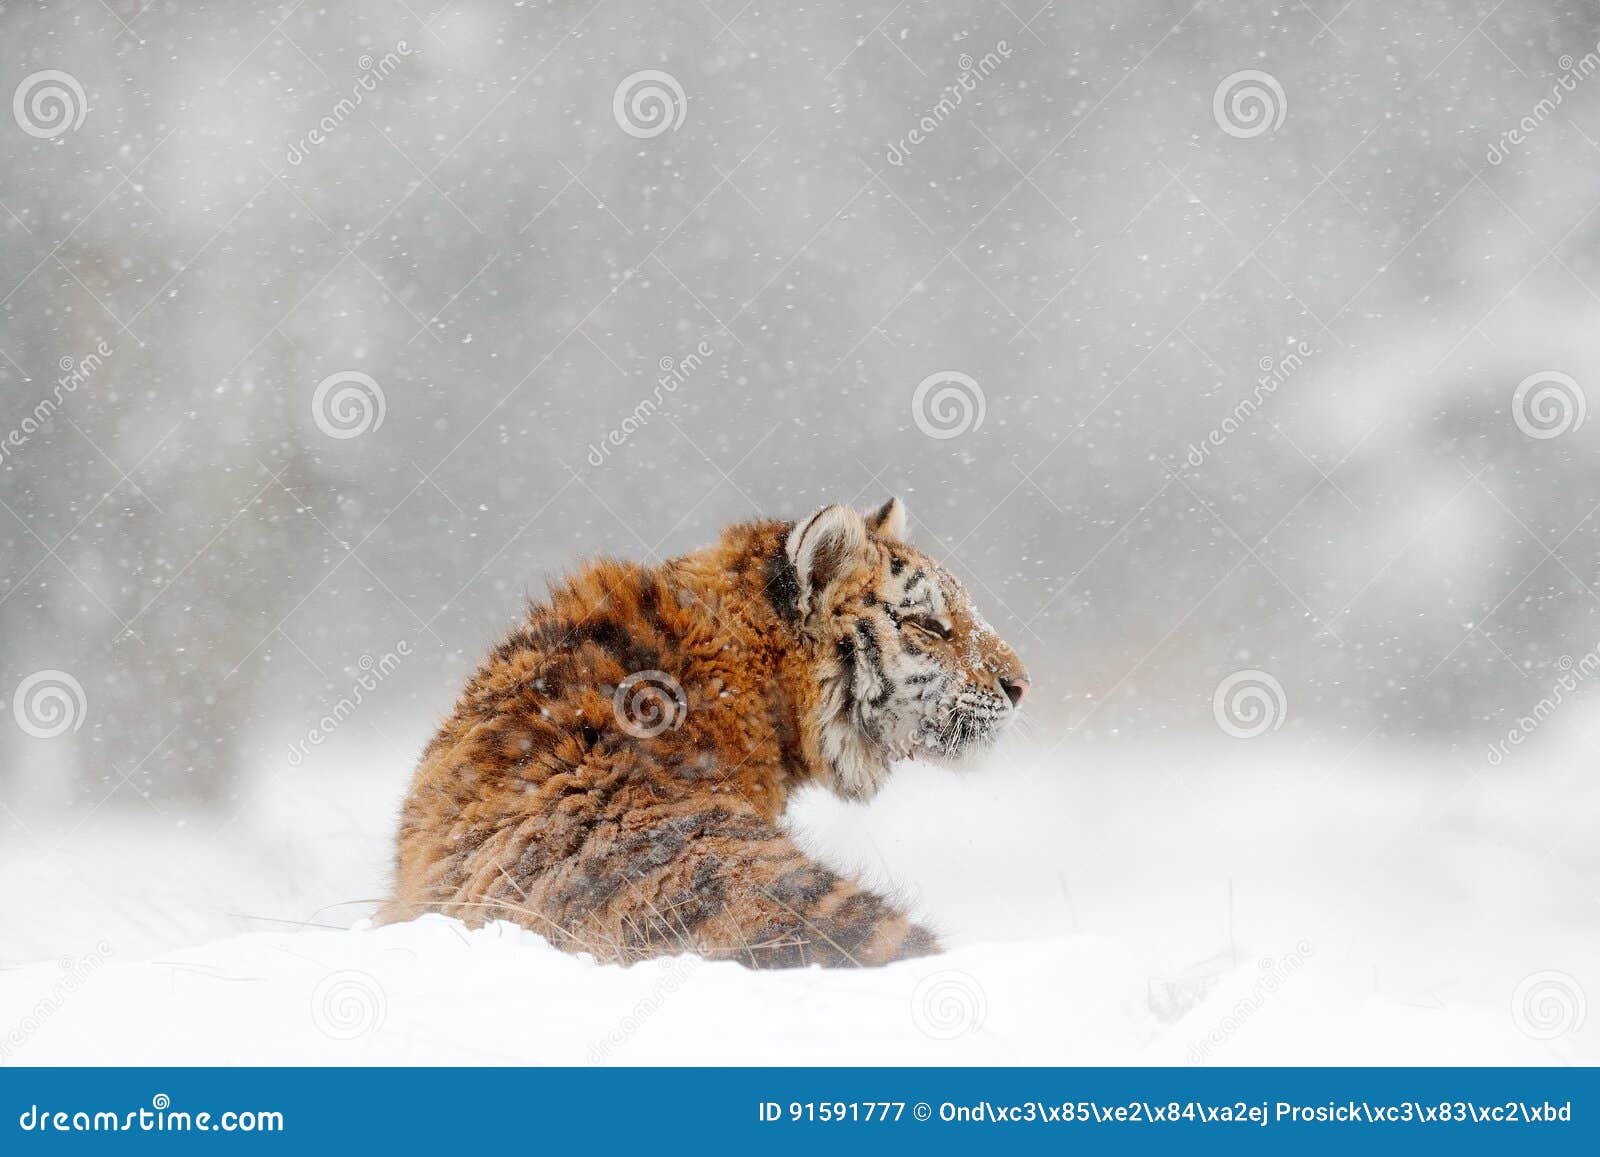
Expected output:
{"points": [[874, 658], [615, 639], [857, 919], [705, 897], [846, 652], [650, 601], [804, 886], [783, 584], [918, 942]]}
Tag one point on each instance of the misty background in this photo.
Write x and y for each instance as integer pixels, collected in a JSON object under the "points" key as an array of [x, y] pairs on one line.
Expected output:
{"points": [[373, 308]]}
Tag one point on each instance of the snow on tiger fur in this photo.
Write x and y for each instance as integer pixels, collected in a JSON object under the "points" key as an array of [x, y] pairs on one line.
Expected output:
{"points": [[614, 775]]}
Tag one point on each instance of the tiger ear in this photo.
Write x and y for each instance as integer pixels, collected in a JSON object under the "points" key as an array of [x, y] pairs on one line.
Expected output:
{"points": [[889, 521], [825, 548]]}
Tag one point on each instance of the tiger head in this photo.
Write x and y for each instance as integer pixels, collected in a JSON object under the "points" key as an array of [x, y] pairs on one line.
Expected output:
{"points": [[904, 664]]}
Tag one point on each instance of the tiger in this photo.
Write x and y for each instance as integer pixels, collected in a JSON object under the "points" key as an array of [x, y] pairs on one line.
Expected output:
{"points": [[614, 776]]}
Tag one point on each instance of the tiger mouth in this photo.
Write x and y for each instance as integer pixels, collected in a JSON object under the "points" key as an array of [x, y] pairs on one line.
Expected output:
{"points": [[961, 730]]}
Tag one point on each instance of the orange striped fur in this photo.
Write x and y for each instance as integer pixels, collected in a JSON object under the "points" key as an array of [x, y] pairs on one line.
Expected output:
{"points": [[614, 774]]}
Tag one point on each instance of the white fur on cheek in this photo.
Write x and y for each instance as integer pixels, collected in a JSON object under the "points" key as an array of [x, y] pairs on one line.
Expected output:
{"points": [[892, 692], [857, 767]]}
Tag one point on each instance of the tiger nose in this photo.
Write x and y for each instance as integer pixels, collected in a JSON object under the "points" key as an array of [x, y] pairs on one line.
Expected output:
{"points": [[1015, 687]]}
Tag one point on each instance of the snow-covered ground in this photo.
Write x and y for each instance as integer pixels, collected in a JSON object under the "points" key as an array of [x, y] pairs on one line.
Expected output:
{"points": [[1212, 905]]}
